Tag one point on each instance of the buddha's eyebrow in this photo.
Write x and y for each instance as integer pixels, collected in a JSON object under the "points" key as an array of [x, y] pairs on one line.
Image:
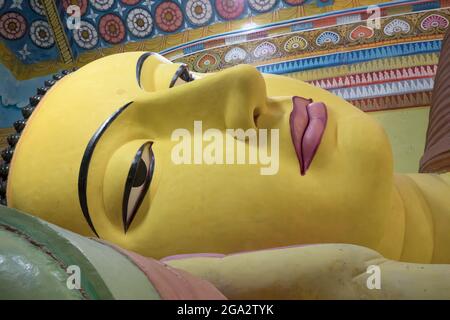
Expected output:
{"points": [[183, 73], [85, 162], [139, 64]]}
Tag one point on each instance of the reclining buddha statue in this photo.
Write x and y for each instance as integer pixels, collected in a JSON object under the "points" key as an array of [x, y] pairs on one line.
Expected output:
{"points": [[95, 156]]}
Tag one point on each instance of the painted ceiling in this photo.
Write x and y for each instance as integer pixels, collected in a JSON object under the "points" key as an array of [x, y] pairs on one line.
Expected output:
{"points": [[33, 32], [39, 37]]}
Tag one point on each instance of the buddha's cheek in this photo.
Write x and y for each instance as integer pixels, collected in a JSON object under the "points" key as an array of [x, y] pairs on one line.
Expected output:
{"points": [[343, 198], [237, 217], [367, 171]]}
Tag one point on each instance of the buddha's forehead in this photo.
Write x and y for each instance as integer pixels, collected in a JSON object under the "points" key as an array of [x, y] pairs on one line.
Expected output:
{"points": [[106, 75], [95, 91], [124, 75]]}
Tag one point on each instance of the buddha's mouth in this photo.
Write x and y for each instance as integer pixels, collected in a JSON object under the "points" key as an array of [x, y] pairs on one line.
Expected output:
{"points": [[308, 120]]}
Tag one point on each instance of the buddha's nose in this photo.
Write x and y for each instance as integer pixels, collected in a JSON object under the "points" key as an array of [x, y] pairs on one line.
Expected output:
{"points": [[246, 96], [228, 99]]}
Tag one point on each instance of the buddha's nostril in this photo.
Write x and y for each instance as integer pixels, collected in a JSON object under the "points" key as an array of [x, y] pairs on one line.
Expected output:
{"points": [[256, 114]]}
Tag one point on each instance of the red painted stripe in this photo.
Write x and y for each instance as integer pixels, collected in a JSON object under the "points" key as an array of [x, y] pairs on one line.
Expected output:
{"points": [[376, 77], [325, 22], [410, 100]]}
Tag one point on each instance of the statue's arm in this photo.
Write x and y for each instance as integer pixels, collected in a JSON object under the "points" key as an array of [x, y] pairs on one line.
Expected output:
{"points": [[324, 271]]}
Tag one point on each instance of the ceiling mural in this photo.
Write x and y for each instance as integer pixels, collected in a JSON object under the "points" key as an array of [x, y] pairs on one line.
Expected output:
{"points": [[14, 95], [413, 33], [27, 32], [384, 67], [39, 37]]}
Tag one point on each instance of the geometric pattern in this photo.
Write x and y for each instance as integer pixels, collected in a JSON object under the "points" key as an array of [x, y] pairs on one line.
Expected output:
{"points": [[334, 45], [376, 77], [350, 57], [384, 89], [105, 23], [377, 65], [357, 29], [375, 69], [112, 26], [392, 102], [25, 30]]}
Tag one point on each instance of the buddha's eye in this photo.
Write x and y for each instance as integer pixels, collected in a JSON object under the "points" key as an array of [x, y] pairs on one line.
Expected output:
{"points": [[137, 183], [181, 76]]}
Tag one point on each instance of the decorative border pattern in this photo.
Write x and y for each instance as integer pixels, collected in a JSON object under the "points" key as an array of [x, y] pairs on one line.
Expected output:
{"points": [[397, 50], [274, 22], [380, 71], [330, 46], [411, 100], [310, 23], [385, 89], [369, 66], [51, 13], [375, 69], [377, 77]]}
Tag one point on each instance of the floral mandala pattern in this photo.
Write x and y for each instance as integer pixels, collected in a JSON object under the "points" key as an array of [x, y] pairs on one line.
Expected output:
{"points": [[199, 12], [327, 37], [396, 26], [265, 50], [37, 7], [262, 5], [139, 22], [207, 62], [12, 26], [136, 20], [82, 4], [168, 16], [295, 43], [361, 32], [298, 50], [86, 36], [102, 4], [434, 21], [111, 28], [235, 55], [41, 34], [230, 9]]}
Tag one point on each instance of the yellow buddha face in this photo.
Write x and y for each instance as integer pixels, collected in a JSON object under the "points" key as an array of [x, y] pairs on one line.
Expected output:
{"points": [[97, 155]]}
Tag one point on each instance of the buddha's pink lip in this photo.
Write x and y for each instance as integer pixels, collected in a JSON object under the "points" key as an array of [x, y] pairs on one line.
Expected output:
{"points": [[308, 120]]}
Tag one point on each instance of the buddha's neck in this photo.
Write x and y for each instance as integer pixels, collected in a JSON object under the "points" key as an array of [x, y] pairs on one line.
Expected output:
{"points": [[418, 229]]}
